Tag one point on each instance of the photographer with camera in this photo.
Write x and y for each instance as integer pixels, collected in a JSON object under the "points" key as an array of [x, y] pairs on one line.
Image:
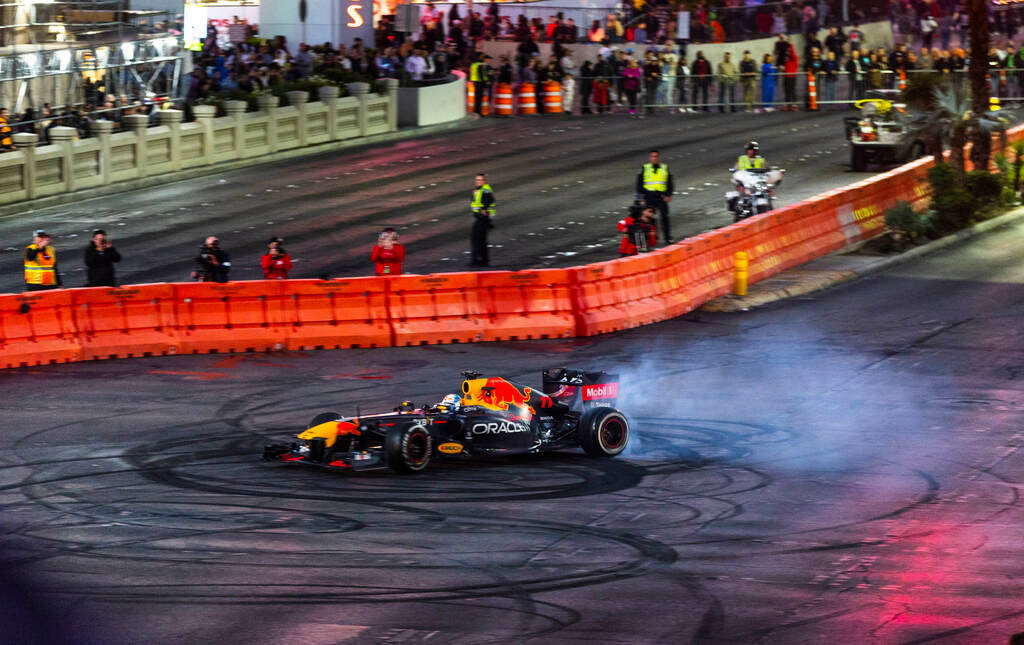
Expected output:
{"points": [[640, 233], [100, 257], [388, 254], [212, 263], [276, 262]]}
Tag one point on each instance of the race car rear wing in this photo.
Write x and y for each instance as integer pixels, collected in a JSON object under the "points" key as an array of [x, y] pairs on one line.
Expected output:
{"points": [[579, 389]]}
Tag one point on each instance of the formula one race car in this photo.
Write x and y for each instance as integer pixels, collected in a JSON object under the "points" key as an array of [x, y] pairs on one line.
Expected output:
{"points": [[492, 416]]}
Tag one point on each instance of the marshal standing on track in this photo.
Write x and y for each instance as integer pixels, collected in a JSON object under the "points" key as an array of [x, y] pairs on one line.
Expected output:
{"points": [[654, 183], [483, 216]]}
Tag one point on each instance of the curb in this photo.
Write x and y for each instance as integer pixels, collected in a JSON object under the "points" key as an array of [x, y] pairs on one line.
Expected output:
{"points": [[807, 281], [18, 208]]}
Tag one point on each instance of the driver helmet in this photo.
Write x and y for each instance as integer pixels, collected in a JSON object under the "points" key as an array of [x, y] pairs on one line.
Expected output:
{"points": [[451, 401], [752, 145]]}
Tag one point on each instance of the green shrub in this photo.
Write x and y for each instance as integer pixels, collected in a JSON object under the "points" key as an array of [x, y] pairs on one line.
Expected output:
{"points": [[1008, 196], [952, 206], [984, 187], [903, 219], [953, 211], [1002, 164]]}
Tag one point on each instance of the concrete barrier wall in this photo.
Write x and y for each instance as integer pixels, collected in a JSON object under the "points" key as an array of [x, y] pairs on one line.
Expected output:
{"points": [[68, 164], [876, 34], [418, 106]]}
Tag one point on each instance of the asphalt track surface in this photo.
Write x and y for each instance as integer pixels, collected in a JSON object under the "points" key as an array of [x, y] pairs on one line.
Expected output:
{"points": [[845, 468], [562, 184]]}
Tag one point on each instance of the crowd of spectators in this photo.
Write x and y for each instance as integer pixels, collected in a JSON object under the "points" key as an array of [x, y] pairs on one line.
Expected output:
{"points": [[642, 21], [641, 64], [931, 37]]}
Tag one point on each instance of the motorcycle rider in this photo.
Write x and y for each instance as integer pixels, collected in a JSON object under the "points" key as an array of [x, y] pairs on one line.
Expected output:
{"points": [[750, 159]]}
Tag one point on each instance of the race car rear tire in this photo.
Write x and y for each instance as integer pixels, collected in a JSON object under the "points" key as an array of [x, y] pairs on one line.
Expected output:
{"points": [[408, 450], [324, 417], [603, 432]]}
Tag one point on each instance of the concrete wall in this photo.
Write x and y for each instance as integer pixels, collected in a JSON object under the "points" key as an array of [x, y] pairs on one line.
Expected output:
{"points": [[69, 164], [433, 104], [876, 34]]}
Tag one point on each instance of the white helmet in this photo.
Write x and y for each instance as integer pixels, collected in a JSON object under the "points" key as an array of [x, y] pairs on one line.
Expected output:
{"points": [[451, 400]]}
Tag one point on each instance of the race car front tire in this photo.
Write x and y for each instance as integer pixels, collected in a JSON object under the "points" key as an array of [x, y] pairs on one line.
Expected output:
{"points": [[408, 450], [603, 432]]}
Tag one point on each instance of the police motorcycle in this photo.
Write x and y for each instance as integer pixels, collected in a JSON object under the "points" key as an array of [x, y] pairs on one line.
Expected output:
{"points": [[754, 189]]}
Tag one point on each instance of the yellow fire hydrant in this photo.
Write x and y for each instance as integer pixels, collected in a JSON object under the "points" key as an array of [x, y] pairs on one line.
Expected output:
{"points": [[740, 267]]}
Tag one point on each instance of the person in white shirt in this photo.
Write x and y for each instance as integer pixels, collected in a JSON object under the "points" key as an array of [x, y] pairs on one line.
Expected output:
{"points": [[415, 65], [568, 81], [667, 87]]}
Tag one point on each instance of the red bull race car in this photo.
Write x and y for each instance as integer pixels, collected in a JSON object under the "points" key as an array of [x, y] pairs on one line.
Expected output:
{"points": [[489, 417]]}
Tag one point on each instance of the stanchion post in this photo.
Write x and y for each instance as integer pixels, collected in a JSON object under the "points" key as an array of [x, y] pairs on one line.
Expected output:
{"points": [[740, 267]]}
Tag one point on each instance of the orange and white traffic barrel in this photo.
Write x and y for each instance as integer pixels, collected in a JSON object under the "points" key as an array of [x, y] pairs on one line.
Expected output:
{"points": [[471, 99], [503, 99], [527, 99], [812, 93], [551, 95]]}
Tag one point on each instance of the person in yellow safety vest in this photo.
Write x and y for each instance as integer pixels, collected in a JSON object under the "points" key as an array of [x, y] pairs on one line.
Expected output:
{"points": [[41, 264], [6, 143], [654, 184], [483, 216], [750, 160], [480, 76]]}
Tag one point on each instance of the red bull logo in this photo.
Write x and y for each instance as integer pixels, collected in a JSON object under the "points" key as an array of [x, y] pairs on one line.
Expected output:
{"points": [[602, 391], [498, 394]]}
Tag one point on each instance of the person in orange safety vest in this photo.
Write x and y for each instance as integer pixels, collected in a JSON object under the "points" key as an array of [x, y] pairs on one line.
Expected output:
{"points": [[41, 263]]}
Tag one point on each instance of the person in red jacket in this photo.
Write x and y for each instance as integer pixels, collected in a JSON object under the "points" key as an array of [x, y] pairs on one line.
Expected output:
{"points": [[638, 231], [388, 253], [276, 262], [791, 68]]}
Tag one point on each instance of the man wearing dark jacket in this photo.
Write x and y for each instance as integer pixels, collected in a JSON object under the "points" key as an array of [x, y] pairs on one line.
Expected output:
{"points": [[100, 257], [212, 263], [781, 51], [654, 183]]}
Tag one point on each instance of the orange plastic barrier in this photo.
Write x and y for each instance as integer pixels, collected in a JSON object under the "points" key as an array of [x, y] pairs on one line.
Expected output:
{"points": [[77, 324], [436, 308], [503, 99], [333, 314], [231, 317], [471, 99], [36, 329], [597, 306], [133, 321], [551, 95], [527, 98], [526, 304]]}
